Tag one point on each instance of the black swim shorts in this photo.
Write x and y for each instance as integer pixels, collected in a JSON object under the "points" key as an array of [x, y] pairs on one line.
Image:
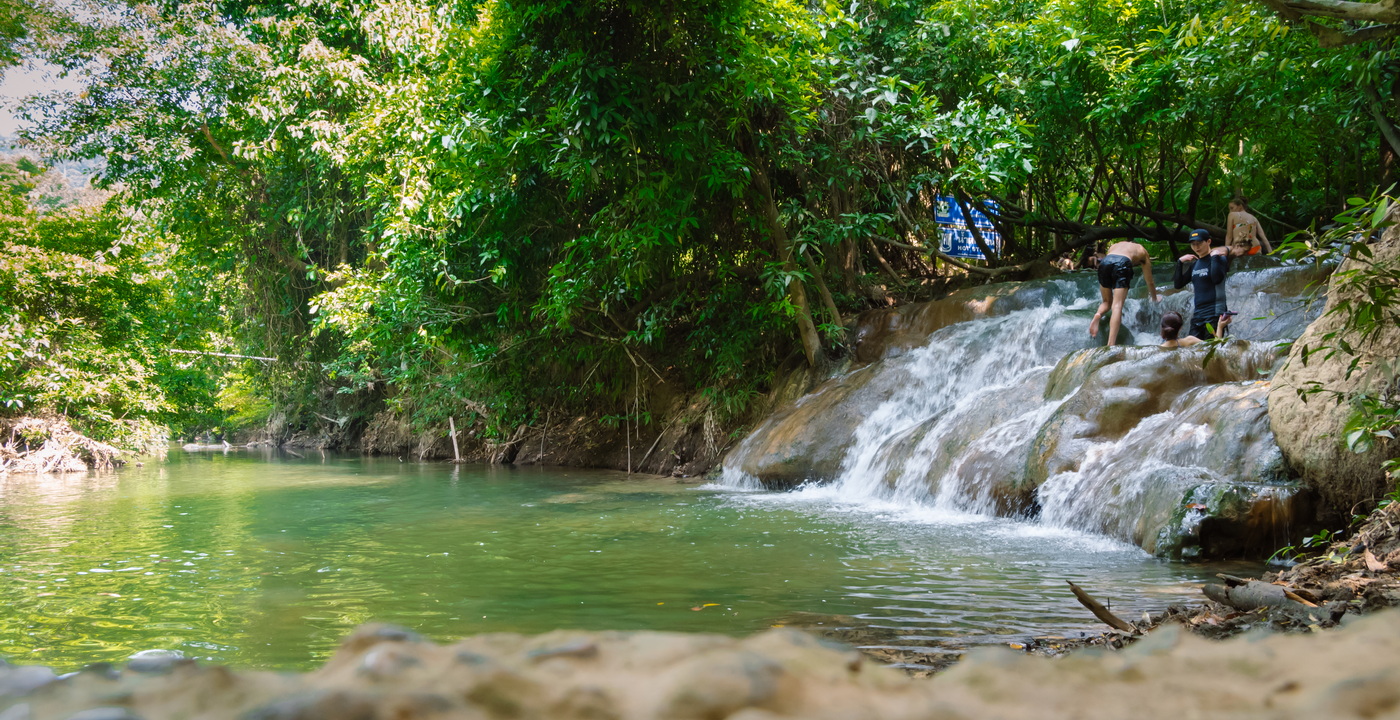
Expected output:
{"points": [[1115, 271], [1201, 325]]}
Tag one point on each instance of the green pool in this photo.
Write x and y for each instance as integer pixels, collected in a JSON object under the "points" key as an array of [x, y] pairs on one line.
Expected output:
{"points": [[268, 560]]}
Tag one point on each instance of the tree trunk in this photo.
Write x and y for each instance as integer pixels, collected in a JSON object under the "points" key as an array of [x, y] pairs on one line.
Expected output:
{"points": [[825, 293], [782, 246]]}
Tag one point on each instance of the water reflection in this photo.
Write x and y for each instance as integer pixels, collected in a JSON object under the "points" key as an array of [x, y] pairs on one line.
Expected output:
{"points": [[268, 562]]}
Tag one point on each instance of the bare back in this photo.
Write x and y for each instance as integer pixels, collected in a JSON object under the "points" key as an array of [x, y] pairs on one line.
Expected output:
{"points": [[1240, 226], [1130, 250]]}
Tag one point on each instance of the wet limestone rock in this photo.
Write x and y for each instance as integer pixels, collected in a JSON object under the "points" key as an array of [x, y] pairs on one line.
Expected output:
{"points": [[808, 439], [1310, 429], [1167, 449], [1112, 390]]}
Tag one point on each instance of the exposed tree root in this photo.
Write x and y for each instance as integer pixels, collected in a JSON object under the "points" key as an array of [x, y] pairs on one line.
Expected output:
{"points": [[49, 445]]}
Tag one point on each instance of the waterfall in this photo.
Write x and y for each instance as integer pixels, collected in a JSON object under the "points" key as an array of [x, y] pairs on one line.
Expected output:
{"points": [[996, 401]]}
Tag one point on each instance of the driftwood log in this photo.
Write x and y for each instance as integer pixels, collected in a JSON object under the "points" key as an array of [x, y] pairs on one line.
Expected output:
{"points": [[1247, 595]]}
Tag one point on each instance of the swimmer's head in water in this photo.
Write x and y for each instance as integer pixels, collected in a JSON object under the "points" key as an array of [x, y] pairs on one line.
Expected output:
{"points": [[1171, 325]]}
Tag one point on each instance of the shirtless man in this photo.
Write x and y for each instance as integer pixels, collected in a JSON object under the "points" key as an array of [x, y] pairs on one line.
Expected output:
{"points": [[1115, 277], [1243, 233]]}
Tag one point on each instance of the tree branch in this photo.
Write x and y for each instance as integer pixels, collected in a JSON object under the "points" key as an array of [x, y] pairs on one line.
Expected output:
{"points": [[209, 136], [1383, 11], [1386, 126]]}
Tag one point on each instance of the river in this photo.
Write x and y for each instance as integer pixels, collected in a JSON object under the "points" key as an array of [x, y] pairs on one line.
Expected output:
{"points": [[268, 560]]}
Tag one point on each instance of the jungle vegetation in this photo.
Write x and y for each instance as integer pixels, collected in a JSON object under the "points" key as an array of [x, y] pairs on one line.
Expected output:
{"points": [[506, 207]]}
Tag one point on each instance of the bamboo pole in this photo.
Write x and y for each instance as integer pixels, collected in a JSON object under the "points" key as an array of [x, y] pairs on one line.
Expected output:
{"points": [[456, 453], [219, 354], [544, 434]]}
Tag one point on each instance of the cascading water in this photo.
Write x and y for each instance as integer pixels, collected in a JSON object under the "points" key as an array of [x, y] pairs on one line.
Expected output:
{"points": [[996, 401]]}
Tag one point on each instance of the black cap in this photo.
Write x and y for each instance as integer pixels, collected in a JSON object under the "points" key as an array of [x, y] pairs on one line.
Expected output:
{"points": [[1200, 235]]}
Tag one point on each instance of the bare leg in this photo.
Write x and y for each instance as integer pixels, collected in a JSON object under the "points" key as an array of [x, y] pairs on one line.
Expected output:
{"points": [[1115, 319], [1106, 296]]}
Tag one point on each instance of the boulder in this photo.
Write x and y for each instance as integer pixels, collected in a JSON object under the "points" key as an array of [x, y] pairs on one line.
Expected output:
{"points": [[808, 439], [1112, 390], [1310, 427], [1167, 450]]}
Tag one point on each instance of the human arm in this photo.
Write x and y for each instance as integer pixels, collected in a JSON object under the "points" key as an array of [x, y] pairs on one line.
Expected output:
{"points": [[1263, 239], [1147, 276], [1183, 271], [1219, 266]]}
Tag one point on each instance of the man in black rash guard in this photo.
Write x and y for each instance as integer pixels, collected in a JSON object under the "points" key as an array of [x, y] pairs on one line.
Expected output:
{"points": [[1205, 271]]}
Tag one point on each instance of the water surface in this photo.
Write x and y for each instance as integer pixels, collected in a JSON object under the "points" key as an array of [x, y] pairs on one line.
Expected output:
{"points": [[267, 561]]}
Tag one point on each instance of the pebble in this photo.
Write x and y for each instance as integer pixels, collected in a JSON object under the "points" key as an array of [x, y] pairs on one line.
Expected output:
{"points": [[384, 662], [157, 664], [394, 633], [104, 670], [720, 684], [371, 635], [468, 657], [17, 681]]}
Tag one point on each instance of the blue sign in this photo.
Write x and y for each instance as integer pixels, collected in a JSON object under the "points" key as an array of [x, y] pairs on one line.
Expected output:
{"points": [[955, 233]]}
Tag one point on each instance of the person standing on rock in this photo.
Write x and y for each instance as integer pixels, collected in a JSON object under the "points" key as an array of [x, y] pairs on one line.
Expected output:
{"points": [[1115, 277], [1243, 233], [1205, 271]]}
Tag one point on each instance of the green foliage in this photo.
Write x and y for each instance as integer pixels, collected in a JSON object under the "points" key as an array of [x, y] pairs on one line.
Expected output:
{"points": [[20, 176], [89, 314], [1289, 554], [494, 209], [245, 406]]}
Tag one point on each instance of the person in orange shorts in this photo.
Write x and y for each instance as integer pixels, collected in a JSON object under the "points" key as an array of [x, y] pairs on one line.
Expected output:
{"points": [[1243, 233]]}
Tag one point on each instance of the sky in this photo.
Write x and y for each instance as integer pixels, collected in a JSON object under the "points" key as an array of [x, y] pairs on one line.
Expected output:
{"points": [[21, 81]]}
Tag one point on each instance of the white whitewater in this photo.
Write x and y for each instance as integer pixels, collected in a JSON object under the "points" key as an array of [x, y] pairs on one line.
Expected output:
{"points": [[953, 427]]}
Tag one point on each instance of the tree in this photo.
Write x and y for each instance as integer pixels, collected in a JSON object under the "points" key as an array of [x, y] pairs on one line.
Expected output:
{"points": [[519, 206]]}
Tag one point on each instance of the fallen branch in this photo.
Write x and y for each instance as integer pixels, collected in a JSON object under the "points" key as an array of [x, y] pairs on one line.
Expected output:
{"points": [[1101, 612], [1248, 595]]}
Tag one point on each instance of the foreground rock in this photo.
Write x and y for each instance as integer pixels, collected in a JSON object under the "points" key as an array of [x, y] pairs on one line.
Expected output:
{"points": [[1308, 404], [383, 672]]}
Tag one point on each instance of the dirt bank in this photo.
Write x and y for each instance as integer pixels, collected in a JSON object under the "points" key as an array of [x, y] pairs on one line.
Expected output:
{"points": [[686, 434]]}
